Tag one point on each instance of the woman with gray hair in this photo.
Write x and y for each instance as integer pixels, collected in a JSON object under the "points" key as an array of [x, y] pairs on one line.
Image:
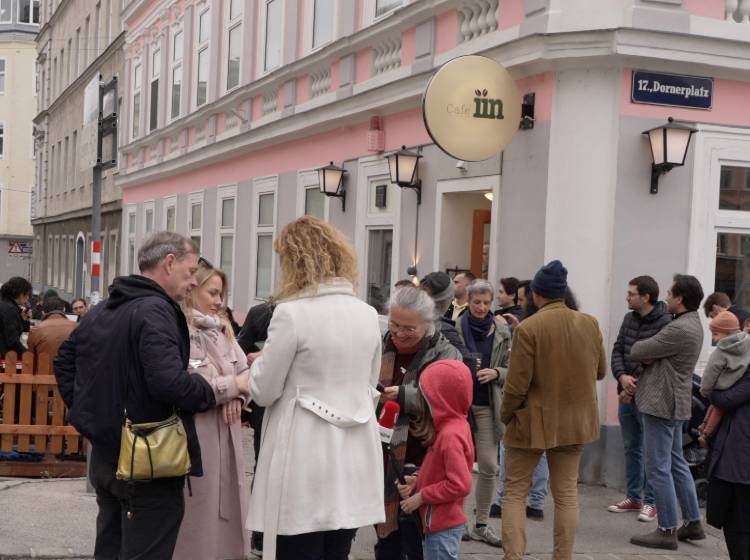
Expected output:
{"points": [[411, 344], [488, 338]]}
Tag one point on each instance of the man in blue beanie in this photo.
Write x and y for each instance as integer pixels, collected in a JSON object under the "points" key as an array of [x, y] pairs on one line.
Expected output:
{"points": [[549, 405]]}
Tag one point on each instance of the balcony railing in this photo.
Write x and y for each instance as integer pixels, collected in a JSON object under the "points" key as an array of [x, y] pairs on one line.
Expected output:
{"points": [[737, 10], [476, 18]]}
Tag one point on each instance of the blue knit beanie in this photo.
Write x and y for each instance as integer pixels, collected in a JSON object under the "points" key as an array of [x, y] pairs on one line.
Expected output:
{"points": [[551, 280]]}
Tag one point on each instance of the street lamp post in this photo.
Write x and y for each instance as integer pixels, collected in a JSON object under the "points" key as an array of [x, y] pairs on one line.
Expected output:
{"points": [[669, 146]]}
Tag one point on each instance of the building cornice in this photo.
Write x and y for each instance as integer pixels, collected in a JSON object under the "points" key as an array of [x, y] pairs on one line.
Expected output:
{"points": [[625, 48], [112, 206]]}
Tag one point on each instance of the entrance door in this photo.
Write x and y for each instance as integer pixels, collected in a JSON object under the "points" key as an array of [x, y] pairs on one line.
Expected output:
{"points": [[480, 243]]}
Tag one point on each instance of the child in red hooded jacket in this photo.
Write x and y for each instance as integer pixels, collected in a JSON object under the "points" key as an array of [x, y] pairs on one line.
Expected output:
{"points": [[444, 480]]}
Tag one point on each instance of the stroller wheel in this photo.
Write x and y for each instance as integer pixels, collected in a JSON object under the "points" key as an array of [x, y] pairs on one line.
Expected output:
{"points": [[701, 490]]}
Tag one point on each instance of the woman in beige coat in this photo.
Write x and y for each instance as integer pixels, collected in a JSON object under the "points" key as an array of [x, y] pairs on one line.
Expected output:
{"points": [[213, 525]]}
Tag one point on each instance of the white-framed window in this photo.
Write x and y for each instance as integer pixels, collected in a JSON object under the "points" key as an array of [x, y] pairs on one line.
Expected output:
{"points": [[50, 262], [58, 261], [35, 80], [234, 43], [77, 61], [323, 22], [202, 57], [6, 11], [273, 37], [226, 217], [378, 243], [154, 89], [2, 140], [131, 267], [310, 201], [263, 230], [176, 93], [148, 218], [2, 76], [170, 214], [28, 11], [195, 218], [112, 257], [136, 112], [71, 263], [383, 7]]}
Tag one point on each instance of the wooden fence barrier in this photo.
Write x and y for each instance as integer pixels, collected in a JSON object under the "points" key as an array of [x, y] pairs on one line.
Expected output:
{"points": [[33, 422]]}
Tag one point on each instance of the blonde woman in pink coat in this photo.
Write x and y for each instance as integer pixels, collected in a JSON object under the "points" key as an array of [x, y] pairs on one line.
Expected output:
{"points": [[213, 526]]}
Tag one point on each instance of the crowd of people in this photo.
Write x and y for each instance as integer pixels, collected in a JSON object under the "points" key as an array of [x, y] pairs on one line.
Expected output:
{"points": [[502, 382]]}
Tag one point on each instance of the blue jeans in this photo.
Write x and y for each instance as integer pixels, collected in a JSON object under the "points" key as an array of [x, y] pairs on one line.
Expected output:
{"points": [[444, 544], [631, 424], [668, 471], [539, 481]]}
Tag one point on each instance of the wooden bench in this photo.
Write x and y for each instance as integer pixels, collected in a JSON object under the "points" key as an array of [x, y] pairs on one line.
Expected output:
{"points": [[33, 421]]}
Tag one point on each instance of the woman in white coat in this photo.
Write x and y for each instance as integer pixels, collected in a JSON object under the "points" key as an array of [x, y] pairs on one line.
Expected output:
{"points": [[319, 475]]}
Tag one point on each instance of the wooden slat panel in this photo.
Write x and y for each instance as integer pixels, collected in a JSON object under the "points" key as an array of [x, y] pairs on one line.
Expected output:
{"points": [[58, 419], [55, 431], [24, 414], [43, 367], [9, 401], [28, 378]]}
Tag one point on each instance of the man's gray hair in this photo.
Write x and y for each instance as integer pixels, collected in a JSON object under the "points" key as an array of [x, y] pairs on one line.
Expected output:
{"points": [[163, 243], [414, 299], [480, 286]]}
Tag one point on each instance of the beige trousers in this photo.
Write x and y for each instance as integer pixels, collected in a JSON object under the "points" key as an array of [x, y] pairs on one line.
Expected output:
{"points": [[563, 475]]}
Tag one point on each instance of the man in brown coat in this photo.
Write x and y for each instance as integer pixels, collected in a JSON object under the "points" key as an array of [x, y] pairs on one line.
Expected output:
{"points": [[55, 328], [550, 404]]}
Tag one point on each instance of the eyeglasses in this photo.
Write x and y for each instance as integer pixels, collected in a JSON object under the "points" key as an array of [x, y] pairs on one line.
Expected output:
{"points": [[205, 262], [396, 328]]}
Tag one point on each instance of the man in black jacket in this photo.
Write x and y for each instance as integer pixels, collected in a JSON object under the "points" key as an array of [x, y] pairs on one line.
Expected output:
{"points": [[14, 295], [647, 317], [129, 356]]}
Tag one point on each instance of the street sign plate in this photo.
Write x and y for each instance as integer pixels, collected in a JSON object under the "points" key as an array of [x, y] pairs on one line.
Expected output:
{"points": [[673, 90]]}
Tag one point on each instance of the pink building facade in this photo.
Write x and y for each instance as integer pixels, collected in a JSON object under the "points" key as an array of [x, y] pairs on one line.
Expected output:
{"points": [[230, 106]]}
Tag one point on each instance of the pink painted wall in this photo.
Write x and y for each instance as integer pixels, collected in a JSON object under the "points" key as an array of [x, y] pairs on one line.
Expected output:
{"points": [[359, 14], [510, 13], [301, 28], [706, 8], [303, 89], [541, 85], [257, 110], [408, 46], [729, 105], [340, 144], [363, 65], [610, 418], [446, 31]]}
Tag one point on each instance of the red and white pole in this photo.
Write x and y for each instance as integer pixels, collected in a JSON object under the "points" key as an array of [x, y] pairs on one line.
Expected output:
{"points": [[96, 259]]}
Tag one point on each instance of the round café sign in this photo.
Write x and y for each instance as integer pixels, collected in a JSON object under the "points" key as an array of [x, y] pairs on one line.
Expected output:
{"points": [[472, 108]]}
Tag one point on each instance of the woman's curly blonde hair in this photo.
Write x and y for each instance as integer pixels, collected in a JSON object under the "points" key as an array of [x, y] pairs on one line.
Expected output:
{"points": [[312, 251]]}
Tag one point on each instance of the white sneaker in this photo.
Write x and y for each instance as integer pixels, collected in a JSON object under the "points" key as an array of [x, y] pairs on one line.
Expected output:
{"points": [[487, 535], [648, 513]]}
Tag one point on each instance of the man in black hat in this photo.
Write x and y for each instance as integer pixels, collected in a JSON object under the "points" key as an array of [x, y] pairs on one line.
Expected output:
{"points": [[549, 406], [439, 286]]}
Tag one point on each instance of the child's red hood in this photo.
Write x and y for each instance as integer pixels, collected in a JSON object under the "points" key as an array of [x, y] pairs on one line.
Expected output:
{"points": [[448, 389]]}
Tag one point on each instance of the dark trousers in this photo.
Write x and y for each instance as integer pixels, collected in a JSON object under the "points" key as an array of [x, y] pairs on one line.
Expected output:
{"points": [[404, 544], [738, 545], [323, 545], [138, 521]]}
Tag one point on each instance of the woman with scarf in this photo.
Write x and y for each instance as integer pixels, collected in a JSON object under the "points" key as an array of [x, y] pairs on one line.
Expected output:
{"points": [[216, 503], [488, 338], [411, 344]]}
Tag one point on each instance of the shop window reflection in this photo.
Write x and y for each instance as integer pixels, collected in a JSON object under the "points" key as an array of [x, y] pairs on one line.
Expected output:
{"points": [[734, 188], [733, 267]]}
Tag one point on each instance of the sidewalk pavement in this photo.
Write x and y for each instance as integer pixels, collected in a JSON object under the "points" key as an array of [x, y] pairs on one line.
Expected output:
{"points": [[55, 519]]}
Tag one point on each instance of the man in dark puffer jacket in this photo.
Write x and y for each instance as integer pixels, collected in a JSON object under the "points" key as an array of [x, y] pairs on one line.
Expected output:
{"points": [[647, 317]]}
